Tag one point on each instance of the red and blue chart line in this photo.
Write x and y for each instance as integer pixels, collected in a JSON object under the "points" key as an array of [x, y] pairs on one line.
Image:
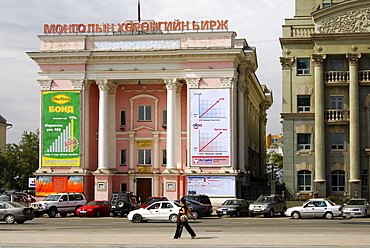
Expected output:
{"points": [[200, 116], [209, 142]]}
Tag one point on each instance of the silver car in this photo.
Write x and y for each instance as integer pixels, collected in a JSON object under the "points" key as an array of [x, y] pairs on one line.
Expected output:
{"points": [[315, 208], [356, 208], [11, 212], [268, 205]]}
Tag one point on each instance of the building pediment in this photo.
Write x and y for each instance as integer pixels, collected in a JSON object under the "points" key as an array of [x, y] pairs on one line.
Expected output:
{"points": [[347, 17]]}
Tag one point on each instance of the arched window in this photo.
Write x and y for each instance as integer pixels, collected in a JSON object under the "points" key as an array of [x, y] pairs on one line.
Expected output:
{"points": [[337, 181], [304, 180]]}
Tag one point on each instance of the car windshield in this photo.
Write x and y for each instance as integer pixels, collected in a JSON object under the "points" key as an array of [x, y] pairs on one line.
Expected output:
{"points": [[52, 198], [94, 203], [151, 200], [264, 199], [5, 198], [231, 202], [356, 202]]}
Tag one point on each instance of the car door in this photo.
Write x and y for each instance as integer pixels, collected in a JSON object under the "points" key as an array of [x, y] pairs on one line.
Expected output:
{"points": [[308, 210], [2, 210], [320, 208], [152, 212], [166, 210], [63, 204]]}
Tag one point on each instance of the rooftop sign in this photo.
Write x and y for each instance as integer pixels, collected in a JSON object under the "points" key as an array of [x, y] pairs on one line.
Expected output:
{"points": [[129, 26]]}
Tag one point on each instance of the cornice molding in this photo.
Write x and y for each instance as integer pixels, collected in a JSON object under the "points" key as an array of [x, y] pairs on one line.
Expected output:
{"points": [[297, 115]]}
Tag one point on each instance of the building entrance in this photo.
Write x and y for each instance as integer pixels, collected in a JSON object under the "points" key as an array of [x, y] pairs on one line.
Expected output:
{"points": [[144, 188]]}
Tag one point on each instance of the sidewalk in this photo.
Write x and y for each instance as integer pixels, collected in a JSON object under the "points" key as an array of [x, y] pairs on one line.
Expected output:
{"points": [[206, 239]]}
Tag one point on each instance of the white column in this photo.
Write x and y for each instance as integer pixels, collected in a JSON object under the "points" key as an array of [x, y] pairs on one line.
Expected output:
{"points": [[131, 138], [178, 126], [112, 126], [156, 153], [156, 185], [103, 156], [354, 124], [171, 84]]}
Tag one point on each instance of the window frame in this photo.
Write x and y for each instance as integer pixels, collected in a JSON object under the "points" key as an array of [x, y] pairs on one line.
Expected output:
{"points": [[305, 108], [303, 71], [164, 118], [143, 115], [307, 177], [164, 157], [335, 101], [338, 146], [338, 177], [123, 118], [304, 146], [144, 157], [123, 157]]}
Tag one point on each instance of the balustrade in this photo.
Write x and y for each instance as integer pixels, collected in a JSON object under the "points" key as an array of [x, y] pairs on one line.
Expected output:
{"points": [[336, 115], [336, 76]]}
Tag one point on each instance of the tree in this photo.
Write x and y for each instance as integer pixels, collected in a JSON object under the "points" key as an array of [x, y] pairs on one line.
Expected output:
{"points": [[19, 162], [274, 166]]}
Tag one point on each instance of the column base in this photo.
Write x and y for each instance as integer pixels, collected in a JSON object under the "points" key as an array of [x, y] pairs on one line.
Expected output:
{"points": [[355, 189], [172, 171], [320, 189]]}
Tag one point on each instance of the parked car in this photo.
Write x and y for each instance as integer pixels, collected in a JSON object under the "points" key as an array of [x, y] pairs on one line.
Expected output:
{"points": [[356, 208], [62, 203], [233, 207], [162, 210], [11, 212], [315, 208], [19, 197], [94, 208], [199, 198], [123, 202], [199, 209], [153, 199], [268, 205]]}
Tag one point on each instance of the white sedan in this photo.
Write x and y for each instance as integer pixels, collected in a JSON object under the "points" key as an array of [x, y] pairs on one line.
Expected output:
{"points": [[162, 210], [315, 208]]}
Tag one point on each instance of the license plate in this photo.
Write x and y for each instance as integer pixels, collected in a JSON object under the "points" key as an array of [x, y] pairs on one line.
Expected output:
{"points": [[224, 212], [83, 212], [113, 206], [257, 210]]}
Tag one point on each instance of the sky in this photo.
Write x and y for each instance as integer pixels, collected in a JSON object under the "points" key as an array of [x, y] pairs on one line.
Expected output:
{"points": [[21, 21]]}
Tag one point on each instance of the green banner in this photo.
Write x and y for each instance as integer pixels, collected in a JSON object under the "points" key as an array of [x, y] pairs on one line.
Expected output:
{"points": [[61, 128]]}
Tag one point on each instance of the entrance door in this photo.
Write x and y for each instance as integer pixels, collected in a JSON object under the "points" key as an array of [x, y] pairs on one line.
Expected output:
{"points": [[144, 188]]}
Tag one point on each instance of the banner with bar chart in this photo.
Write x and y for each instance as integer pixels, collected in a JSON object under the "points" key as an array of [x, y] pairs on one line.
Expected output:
{"points": [[210, 127], [60, 132]]}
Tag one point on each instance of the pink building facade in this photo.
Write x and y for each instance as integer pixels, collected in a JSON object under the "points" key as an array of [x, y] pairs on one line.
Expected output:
{"points": [[157, 114]]}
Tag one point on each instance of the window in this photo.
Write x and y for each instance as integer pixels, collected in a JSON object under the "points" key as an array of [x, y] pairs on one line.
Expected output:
{"points": [[337, 141], [145, 113], [123, 187], [327, 3], [337, 181], [303, 66], [164, 157], [304, 103], [164, 118], [364, 180], [123, 118], [304, 141], [336, 64], [304, 180], [336, 102], [123, 161], [145, 157]]}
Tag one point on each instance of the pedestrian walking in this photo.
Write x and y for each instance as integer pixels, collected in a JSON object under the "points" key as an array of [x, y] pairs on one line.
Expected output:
{"points": [[182, 220]]}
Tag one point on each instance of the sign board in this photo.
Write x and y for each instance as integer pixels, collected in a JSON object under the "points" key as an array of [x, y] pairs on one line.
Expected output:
{"points": [[212, 186], [46, 185], [31, 182]]}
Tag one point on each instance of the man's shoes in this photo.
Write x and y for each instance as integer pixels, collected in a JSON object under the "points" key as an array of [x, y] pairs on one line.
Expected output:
{"points": [[174, 238], [193, 237]]}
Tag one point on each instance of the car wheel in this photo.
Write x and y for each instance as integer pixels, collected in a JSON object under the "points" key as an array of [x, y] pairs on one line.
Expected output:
{"points": [[20, 221], [52, 213], [237, 214], [137, 218], [120, 204], [112, 214], [271, 213], [9, 219], [252, 215], [37, 214], [219, 215], [173, 218], [296, 215], [195, 214], [63, 214], [328, 215], [98, 214], [283, 212]]}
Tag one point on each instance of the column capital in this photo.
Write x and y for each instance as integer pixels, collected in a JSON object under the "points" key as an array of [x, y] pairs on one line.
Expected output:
{"points": [[106, 84], [45, 84], [353, 58], [286, 62], [193, 83], [227, 82], [171, 83], [77, 84], [318, 59]]}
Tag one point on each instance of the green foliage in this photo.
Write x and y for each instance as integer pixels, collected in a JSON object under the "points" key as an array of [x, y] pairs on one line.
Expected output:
{"points": [[274, 162], [19, 162]]}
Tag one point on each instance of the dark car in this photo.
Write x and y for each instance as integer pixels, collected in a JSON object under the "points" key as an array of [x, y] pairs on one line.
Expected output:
{"points": [[199, 209], [233, 207], [199, 198], [11, 212], [123, 202], [153, 199], [94, 208], [19, 197]]}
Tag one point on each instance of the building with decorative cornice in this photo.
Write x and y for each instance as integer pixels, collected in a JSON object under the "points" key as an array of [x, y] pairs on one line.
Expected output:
{"points": [[326, 98], [161, 114]]}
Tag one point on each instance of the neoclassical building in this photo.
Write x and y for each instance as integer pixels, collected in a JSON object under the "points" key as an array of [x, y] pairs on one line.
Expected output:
{"points": [[160, 113], [326, 98]]}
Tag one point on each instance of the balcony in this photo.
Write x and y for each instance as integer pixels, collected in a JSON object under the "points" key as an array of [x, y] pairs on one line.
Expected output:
{"points": [[364, 77], [336, 78], [336, 116]]}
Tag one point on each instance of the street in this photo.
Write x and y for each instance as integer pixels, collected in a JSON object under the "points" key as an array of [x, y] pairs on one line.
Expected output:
{"points": [[211, 232]]}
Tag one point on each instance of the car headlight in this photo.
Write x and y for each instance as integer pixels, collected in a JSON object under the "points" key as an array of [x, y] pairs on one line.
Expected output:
{"points": [[264, 207], [362, 209]]}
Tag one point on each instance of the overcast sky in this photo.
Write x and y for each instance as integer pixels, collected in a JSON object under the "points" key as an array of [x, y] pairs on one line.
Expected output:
{"points": [[21, 21]]}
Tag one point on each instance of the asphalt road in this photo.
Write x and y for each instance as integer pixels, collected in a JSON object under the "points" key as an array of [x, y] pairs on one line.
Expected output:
{"points": [[211, 232]]}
